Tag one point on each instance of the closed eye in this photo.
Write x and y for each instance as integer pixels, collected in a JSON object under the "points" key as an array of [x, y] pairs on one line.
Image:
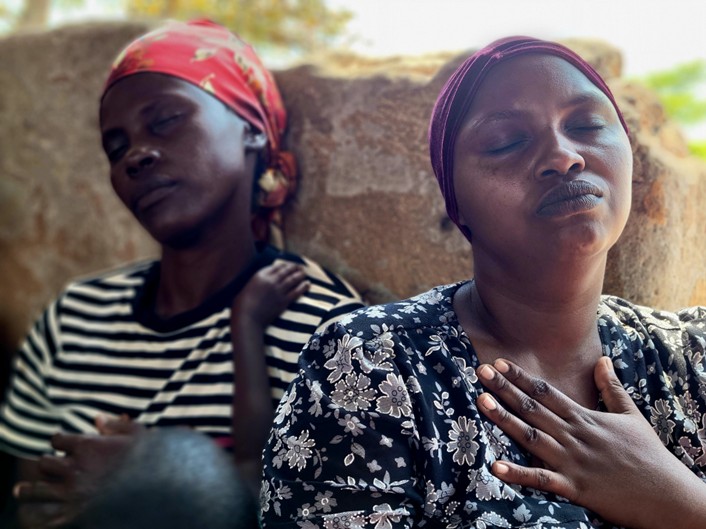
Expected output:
{"points": [[115, 145], [589, 127], [506, 147], [164, 124], [586, 123], [115, 154]]}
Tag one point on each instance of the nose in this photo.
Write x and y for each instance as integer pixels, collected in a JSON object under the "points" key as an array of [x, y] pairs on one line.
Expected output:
{"points": [[141, 159], [559, 157]]}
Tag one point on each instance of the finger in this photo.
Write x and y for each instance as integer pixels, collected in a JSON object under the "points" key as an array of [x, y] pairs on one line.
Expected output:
{"points": [[292, 280], [67, 443], [612, 392], [533, 477], [36, 515], [291, 274], [534, 440], [525, 393], [26, 491], [54, 466], [122, 425], [300, 289], [281, 269]]}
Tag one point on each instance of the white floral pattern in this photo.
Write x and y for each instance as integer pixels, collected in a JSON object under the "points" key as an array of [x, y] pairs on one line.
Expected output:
{"points": [[380, 429]]}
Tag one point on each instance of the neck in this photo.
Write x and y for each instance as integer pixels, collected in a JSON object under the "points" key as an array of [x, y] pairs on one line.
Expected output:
{"points": [[190, 275], [545, 321]]}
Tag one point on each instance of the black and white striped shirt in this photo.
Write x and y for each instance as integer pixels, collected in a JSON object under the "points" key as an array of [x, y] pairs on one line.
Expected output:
{"points": [[98, 349]]}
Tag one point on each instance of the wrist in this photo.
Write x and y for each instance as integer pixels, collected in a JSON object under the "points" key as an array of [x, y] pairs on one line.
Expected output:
{"points": [[246, 319], [686, 495]]}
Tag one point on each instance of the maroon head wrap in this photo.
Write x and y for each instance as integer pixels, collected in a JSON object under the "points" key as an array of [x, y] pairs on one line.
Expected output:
{"points": [[458, 93], [214, 59]]}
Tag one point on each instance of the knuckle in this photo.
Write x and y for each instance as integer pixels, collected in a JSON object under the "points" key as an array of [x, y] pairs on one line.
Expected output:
{"points": [[503, 415], [531, 435], [543, 478], [513, 373], [501, 383], [528, 404], [540, 389]]}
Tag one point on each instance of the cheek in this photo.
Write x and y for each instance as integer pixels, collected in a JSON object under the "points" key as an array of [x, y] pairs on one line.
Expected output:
{"points": [[618, 163], [117, 185], [480, 200]]}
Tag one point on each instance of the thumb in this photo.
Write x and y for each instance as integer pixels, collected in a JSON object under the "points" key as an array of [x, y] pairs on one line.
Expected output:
{"points": [[122, 425], [614, 396]]}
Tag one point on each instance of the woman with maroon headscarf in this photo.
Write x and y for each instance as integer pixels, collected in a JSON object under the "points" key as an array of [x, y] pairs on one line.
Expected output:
{"points": [[522, 397], [207, 337]]}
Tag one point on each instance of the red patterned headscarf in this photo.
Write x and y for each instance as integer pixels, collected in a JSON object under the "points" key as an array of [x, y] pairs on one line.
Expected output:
{"points": [[217, 61], [459, 91]]}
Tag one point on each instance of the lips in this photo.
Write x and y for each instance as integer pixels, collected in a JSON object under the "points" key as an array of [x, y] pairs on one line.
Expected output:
{"points": [[569, 197]]}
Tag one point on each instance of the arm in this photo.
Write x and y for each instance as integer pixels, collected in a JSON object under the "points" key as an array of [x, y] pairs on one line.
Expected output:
{"points": [[55, 489], [266, 295], [333, 453], [612, 463]]}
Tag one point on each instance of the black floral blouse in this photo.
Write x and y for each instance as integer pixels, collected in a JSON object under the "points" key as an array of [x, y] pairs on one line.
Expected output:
{"points": [[380, 429]]}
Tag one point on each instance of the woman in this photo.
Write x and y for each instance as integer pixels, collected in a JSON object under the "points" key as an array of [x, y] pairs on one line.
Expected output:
{"points": [[521, 398], [192, 126]]}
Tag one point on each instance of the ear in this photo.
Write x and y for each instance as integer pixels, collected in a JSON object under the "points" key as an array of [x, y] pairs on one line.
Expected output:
{"points": [[254, 139]]}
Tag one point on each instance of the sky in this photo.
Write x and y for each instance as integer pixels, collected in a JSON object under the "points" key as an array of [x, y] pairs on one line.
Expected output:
{"points": [[653, 34]]}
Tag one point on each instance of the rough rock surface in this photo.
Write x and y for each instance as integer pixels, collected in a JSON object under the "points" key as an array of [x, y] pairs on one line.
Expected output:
{"points": [[58, 215], [368, 205]]}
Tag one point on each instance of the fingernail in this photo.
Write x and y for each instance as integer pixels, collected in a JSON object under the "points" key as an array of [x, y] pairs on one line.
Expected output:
{"points": [[489, 402], [487, 373], [502, 366], [501, 468], [608, 363]]}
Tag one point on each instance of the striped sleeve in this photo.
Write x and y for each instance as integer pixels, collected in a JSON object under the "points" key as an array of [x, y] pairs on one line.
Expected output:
{"points": [[329, 298], [338, 296], [27, 417]]}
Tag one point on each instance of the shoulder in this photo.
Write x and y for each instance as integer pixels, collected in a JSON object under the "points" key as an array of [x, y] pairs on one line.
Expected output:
{"points": [[654, 337], [321, 276], [649, 320], [98, 292], [126, 277], [411, 316]]}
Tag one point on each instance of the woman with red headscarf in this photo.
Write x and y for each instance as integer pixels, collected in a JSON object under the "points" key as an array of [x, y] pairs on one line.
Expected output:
{"points": [[207, 337], [522, 397]]}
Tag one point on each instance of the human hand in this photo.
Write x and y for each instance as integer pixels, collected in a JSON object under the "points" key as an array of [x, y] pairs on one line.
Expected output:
{"points": [[268, 293], [122, 425], [67, 483], [611, 463]]}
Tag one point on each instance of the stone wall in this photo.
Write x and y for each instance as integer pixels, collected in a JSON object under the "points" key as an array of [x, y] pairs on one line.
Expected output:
{"points": [[368, 205]]}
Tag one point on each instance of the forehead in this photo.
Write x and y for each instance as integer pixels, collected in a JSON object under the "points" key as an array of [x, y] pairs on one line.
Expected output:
{"points": [[135, 92], [520, 81]]}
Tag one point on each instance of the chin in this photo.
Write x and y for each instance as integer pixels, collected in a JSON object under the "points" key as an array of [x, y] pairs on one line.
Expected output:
{"points": [[172, 234], [584, 240]]}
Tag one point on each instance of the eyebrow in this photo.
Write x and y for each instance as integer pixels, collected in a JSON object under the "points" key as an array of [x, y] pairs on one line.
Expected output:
{"points": [[587, 97], [510, 114], [502, 115]]}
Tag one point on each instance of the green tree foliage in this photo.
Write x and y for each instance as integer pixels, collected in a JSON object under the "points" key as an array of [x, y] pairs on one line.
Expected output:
{"points": [[297, 25], [33, 14], [677, 89], [302, 25]]}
